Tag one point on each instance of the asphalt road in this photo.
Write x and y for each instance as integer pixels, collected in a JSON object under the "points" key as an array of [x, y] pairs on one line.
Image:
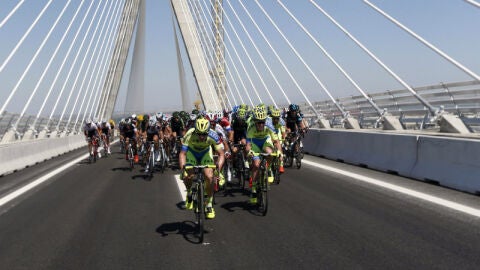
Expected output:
{"points": [[104, 216]]}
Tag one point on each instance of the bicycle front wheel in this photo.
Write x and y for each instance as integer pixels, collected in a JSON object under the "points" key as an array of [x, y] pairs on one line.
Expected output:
{"points": [[263, 193], [200, 211]]}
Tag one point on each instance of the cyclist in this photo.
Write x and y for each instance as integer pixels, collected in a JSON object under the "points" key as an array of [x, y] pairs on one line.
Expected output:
{"points": [[260, 138], [294, 121], [91, 132], [131, 134], [279, 126], [153, 134], [196, 150], [213, 118], [106, 130]]}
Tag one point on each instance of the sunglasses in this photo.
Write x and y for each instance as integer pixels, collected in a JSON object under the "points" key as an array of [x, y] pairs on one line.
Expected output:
{"points": [[202, 134], [260, 122]]}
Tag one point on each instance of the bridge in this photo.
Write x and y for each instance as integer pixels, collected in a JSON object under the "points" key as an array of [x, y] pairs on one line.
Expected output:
{"points": [[391, 92]]}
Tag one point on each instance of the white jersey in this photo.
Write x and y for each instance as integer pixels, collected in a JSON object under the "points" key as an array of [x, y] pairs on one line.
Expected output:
{"points": [[220, 131], [90, 128]]}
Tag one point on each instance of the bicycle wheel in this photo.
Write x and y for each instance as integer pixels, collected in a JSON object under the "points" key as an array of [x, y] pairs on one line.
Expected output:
{"points": [[130, 157], [276, 172], [161, 163], [200, 210], [262, 192], [298, 162], [151, 162]]}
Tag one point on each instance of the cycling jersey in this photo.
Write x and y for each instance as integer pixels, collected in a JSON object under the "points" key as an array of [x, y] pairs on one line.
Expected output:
{"points": [[91, 130], [152, 131], [177, 125], [239, 130], [129, 131], [200, 152], [259, 140], [293, 120]]}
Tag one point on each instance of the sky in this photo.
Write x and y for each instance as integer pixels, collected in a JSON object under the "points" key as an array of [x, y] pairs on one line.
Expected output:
{"points": [[452, 25]]}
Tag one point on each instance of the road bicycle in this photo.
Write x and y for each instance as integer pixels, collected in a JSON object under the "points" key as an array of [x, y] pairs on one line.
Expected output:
{"points": [[94, 155], [130, 155], [150, 160], [293, 150], [241, 166], [262, 185], [198, 196]]}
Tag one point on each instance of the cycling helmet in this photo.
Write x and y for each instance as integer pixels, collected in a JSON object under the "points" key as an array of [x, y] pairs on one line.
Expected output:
{"points": [[275, 112], [242, 114], [176, 115], [134, 116], [202, 126], [211, 116], [195, 111], [159, 115], [152, 121], [293, 107], [88, 121], [259, 113], [193, 116]]}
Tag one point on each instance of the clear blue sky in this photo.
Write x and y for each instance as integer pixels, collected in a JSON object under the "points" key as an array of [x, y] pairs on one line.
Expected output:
{"points": [[452, 25]]}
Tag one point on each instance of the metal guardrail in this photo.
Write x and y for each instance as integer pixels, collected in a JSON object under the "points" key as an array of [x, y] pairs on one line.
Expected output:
{"points": [[459, 98], [7, 121]]}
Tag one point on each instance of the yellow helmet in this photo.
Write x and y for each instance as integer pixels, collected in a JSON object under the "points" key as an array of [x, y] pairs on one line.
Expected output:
{"points": [[242, 113], [275, 112], [259, 113], [202, 125]]}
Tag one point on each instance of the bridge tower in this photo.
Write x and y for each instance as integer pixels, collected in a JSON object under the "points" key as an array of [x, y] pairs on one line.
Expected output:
{"points": [[197, 58]]}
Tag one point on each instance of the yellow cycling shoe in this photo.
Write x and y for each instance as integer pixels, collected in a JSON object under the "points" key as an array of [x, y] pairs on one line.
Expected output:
{"points": [[210, 212], [189, 202], [270, 179]]}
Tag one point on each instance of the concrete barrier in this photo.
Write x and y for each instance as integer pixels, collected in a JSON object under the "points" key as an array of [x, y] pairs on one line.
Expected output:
{"points": [[451, 162], [18, 155]]}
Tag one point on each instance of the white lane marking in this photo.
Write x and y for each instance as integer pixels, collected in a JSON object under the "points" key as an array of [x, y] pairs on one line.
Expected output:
{"points": [[181, 187], [436, 200], [39, 181]]}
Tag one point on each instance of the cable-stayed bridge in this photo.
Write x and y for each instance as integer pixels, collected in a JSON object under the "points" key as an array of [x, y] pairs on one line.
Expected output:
{"points": [[390, 86]]}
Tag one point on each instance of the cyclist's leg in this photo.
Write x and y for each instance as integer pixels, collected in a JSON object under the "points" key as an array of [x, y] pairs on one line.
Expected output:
{"points": [[207, 159]]}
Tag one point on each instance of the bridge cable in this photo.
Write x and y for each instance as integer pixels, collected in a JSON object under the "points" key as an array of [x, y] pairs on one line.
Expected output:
{"points": [[104, 63], [94, 91], [207, 48], [235, 68], [432, 109], [105, 50], [79, 71], [473, 3], [246, 53], [241, 63], [72, 65], [11, 13], [259, 52], [2, 109], [51, 60], [283, 64], [425, 42], [239, 58], [27, 104], [369, 99]]}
